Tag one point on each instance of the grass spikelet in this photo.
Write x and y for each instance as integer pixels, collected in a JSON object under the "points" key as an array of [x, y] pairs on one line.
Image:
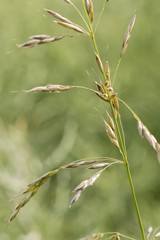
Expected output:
{"points": [[91, 11], [67, 1], [95, 177], [75, 198], [70, 26], [58, 16], [78, 164], [98, 165], [140, 128], [87, 5], [104, 97], [109, 130], [38, 40], [82, 186], [40, 37], [143, 131], [115, 103], [32, 189], [14, 214], [48, 88], [127, 36], [111, 122], [100, 65], [107, 71], [29, 44]]}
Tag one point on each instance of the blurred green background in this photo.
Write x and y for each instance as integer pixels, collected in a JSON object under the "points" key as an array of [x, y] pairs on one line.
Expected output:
{"points": [[40, 132]]}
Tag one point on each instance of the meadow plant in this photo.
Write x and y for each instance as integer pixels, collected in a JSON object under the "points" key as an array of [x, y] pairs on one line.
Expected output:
{"points": [[104, 89]]}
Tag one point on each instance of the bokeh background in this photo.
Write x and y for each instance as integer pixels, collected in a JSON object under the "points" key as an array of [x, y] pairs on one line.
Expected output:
{"points": [[40, 132]]}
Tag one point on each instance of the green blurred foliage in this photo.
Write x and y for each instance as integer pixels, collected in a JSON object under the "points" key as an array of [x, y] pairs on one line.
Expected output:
{"points": [[39, 132]]}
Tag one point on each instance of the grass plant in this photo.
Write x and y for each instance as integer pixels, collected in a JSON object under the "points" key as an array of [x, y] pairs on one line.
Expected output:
{"points": [[104, 90]]}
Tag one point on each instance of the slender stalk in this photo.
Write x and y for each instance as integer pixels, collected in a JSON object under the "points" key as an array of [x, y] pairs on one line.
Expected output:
{"points": [[115, 74], [121, 142]]}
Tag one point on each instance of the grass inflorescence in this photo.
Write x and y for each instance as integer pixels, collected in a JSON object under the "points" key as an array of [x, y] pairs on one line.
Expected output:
{"points": [[104, 90]]}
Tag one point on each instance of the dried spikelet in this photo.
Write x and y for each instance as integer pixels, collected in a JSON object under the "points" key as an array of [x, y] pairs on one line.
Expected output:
{"points": [[99, 86], [100, 65], [78, 164], [127, 36], [115, 142], [58, 16], [49, 88], [32, 189], [82, 186], [38, 40], [140, 128], [98, 165], [40, 37], [110, 120], [67, 1], [75, 198], [104, 88], [143, 131], [87, 5], [91, 11], [115, 103], [109, 130], [150, 138], [48, 40], [14, 214], [70, 26], [107, 70], [158, 152], [29, 44], [95, 177], [104, 97], [157, 235]]}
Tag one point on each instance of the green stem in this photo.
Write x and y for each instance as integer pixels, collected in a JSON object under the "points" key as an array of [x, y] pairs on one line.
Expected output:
{"points": [[121, 142]]}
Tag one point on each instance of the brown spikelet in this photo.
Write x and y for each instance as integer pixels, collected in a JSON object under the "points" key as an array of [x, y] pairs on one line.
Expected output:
{"points": [[40, 37], [107, 70], [58, 16], [143, 131], [109, 130], [115, 102], [48, 88], [75, 198], [70, 26], [29, 44], [100, 65], [78, 164], [127, 36], [104, 97], [67, 1], [91, 11], [98, 165], [38, 40], [87, 5], [110, 120]]}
